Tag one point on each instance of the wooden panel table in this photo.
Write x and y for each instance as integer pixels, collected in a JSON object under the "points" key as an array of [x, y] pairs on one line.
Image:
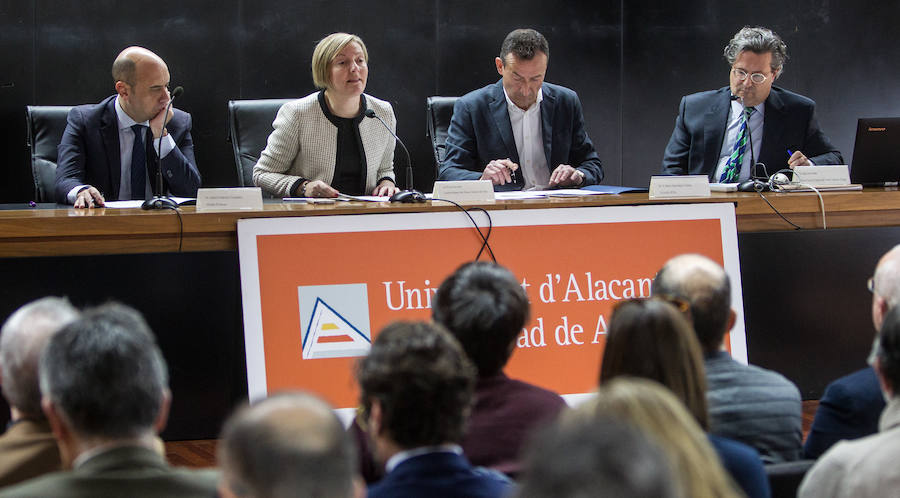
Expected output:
{"points": [[58, 232]]}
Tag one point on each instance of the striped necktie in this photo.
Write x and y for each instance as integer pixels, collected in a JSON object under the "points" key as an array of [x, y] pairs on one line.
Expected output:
{"points": [[733, 167]]}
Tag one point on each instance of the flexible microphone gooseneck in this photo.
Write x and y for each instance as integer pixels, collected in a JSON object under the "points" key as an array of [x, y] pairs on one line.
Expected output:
{"points": [[410, 194], [160, 200]]}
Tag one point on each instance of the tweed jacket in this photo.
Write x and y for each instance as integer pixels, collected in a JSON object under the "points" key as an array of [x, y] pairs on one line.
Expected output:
{"points": [[861, 468], [131, 471], [303, 145], [27, 449]]}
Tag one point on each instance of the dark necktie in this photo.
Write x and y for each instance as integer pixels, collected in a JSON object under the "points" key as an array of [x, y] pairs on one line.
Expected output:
{"points": [[733, 167], [138, 164]]}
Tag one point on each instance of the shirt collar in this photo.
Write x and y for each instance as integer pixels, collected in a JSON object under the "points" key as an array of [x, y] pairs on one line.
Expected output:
{"points": [[403, 456], [513, 107], [737, 107], [125, 120]]}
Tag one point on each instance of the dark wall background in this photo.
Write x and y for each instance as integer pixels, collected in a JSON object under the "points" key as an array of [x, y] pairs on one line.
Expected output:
{"points": [[629, 61]]}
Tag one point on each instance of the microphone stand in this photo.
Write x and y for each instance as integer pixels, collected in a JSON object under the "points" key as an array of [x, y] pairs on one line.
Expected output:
{"points": [[410, 194], [160, 200]]}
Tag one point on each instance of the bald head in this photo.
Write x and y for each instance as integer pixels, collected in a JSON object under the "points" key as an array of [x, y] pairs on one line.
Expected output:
{"points": [[128, 62], [704, 284], [886, 285], [290, 444]]}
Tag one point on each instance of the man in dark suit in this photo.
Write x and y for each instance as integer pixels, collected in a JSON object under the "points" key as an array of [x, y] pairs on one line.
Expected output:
{"points": [[720, 133], [852, 405], [105, 392], [416, 387], [27, 448], [521, 132], [109, 150]]}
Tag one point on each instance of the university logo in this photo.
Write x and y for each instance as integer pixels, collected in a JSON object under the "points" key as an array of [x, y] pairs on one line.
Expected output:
{"points": [[334, 320]]}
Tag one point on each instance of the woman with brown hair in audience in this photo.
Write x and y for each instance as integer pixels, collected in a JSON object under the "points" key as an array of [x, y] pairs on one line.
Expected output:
{"points": [[654, 339]]}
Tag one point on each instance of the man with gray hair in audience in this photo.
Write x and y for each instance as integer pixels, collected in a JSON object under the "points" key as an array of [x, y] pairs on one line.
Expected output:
{"points": [[27, 448], [106, 394], [724, 133], [290, 444], [851, 405], [758, 407]]}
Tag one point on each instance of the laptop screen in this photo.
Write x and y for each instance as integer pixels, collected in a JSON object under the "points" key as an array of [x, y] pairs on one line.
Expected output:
{"points": [[876, 155]]}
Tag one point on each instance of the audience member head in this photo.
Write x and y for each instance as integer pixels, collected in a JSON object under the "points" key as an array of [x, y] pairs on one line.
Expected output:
{"points": [[103, 380], [705, 286], [22, 340], [887, 353], [142, 82], [485, 308], [523, 64], [290, 444], [416, 388], [885, 285], [651, 338], [327, 50], [656, 412], [583, 457]]}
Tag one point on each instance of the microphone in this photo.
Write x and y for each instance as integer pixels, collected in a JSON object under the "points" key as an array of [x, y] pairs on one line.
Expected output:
{"points": [[410, 194], [160, 200]]}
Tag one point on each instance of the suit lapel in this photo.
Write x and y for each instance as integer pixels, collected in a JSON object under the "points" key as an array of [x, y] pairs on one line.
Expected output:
{"points": [[501, 118], [773, 126], [548, 107], [714, 124], [109, 132]]}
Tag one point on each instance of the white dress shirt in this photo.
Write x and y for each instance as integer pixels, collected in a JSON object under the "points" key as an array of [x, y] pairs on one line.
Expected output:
{"points": [[731, 132], [526, 128], [126, 143]]}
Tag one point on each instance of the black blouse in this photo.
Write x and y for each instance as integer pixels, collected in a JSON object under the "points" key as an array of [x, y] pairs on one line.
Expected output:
{"points": [[350, 162]]}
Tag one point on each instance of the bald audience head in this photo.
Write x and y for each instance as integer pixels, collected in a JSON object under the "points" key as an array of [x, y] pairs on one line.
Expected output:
{"points": [[290, 444], [885, 286], [704, 284], [22, 341]]}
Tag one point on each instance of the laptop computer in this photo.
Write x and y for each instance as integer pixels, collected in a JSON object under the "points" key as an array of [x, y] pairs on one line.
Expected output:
{"points": [[876, 155]]}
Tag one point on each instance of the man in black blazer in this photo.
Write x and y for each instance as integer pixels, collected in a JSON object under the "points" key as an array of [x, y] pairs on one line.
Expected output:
{"points": [[521, 132], [783, 128], [108, 151]]}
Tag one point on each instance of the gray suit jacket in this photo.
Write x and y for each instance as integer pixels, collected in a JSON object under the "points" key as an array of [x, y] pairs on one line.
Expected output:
{"points": [[131, 471], [757, 407]]}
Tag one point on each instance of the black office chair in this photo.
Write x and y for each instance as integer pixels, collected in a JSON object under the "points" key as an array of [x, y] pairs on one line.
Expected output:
{"points": [[46, 124], [438, 111], [249, 126], [785, 478]]}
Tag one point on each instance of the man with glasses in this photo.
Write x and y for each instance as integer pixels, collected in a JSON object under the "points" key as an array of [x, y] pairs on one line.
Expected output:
{"points": [[852, 405], [720, 133]]}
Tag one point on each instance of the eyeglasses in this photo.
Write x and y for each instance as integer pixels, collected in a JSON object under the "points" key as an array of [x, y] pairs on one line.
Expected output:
{"points": [[870, 284], [741, 75]]}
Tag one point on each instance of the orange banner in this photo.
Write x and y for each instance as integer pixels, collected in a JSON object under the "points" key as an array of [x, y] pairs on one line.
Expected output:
{"points": [[324, 296]]}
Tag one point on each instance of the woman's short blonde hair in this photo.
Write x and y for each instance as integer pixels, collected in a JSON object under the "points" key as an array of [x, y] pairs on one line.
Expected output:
{"points": [[326, 50]]}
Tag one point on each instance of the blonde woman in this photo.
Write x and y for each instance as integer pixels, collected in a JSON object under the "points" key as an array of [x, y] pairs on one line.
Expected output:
{"points": [[323, 144], [656, 412]]}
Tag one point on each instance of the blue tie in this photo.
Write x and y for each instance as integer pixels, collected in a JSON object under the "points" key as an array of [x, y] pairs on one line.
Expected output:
{"points": [[138, 164], [733, 166]]}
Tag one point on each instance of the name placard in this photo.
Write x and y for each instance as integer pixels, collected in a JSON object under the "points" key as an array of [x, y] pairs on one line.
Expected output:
{"points": [[679, 187], [822, 176], [465, 191], [230, 199]]}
